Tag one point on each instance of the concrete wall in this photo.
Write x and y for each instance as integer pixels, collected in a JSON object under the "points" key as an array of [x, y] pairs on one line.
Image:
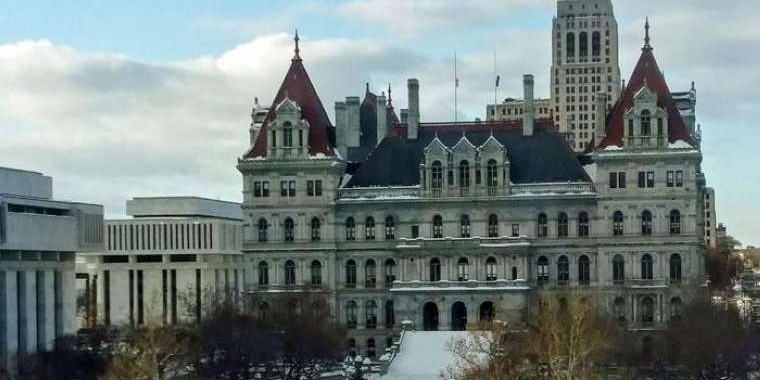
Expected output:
{"points": [[25, 183]]}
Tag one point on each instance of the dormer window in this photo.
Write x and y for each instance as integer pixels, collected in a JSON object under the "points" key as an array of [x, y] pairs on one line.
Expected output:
{"points": [[287, 134], [646, 123]]}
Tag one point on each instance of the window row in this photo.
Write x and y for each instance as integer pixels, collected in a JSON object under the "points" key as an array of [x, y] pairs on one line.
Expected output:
{"points": [[618, 269], [647, 224], [160, 236], [646, 179], [370, 273], [287, 188], [464, 176], [370, 314], [646, 309], [289, 273]]}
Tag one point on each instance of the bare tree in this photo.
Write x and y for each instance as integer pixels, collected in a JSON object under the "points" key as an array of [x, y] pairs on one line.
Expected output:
{"points": [[567, 338], [153, 352], [492, 352]]}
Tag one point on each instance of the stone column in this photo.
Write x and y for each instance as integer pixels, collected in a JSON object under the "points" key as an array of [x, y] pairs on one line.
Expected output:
{"points": [[49, 311], [8, 315], [28, 319]]}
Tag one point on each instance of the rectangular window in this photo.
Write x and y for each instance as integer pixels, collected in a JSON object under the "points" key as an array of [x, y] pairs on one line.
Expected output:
{"points": [[679, 178], [621, 180], [318, 188], [257, 189], [292, 188], [515, 230], [642, 179], [283, 188], [265, 189], [415, 231], [613, 180], [310, 188], [669, 181], [650, 180]]}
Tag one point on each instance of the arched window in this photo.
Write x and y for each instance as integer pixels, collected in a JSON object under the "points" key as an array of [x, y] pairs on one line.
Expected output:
{"points": [[583, 228], [583, 44], [619, 309], [464, 177], [647, 310], [350, 229], [542, 273], [390, 314], [435, 269], [369, 228], [562, 225], [464, 226], [287, 134], [570, 45], [676, 308], [370, 311], [350, 274], [289, 229], [514, 273], [437, 227], [263, 229], [675, 268], [463, 269], [563, 270], [316, 233], [646, 222], [436, 177], [274, 139], [617, 223], [390, 272], [647, 267], [584, 270], [290, 272], [492, 176], [351, 316], [596, 44], [675, 222], [263, 273], [543, 225], [646, 123], [390, 228], [371, 350], [491, 269], [618, 269], [370, 274], [493, 225], [316, 272]]}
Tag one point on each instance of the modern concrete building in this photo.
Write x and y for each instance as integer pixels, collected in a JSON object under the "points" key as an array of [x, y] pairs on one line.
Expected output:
{"points": [[512, 110], [445, 224], [174, 257], [584, 65], [39, 238]]}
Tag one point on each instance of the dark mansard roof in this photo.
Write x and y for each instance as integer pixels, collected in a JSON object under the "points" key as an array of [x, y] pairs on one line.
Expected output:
{"points": [[543, 157]]}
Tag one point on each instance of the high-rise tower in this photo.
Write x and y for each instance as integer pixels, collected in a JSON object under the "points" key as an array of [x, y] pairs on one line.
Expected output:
{"points": [[584, 63]]}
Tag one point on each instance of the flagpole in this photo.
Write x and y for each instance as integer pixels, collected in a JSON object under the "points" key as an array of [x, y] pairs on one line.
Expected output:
{"points": [[496, 85], [456, 87]]}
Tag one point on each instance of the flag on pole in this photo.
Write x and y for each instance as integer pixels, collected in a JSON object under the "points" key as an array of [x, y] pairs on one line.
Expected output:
{"points": [[498, 79]]}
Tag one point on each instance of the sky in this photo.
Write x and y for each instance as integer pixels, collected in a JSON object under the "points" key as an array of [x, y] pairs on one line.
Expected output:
{"points": [[120, 99]]}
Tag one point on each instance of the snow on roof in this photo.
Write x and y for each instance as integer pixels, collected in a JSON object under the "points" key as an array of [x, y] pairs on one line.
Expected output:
{"points": [[423, 355]]}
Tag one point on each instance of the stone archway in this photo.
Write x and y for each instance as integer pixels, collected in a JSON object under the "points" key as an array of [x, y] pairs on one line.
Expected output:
{"points": [[458, 316], [487, 311], [430, 316]]}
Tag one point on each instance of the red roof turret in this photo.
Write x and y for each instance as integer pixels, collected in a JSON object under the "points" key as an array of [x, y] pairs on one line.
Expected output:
{"points": [[298, 88]]}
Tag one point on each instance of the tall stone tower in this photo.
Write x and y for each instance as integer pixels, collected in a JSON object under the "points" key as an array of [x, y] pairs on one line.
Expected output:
{"points": [[584, 63]]}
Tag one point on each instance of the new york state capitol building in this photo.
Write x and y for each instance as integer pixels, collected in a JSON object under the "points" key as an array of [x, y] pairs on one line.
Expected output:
{"points": [[446, 224]]}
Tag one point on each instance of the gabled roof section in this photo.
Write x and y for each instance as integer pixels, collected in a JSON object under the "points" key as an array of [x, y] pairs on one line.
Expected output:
{"points": [[297, 87], [646, 74]]}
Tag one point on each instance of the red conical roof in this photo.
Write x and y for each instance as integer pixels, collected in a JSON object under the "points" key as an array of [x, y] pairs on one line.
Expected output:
{"points": [[298, 88], [647, 73]]}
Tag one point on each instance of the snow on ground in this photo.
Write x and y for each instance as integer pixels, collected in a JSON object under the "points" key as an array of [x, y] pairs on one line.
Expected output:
{"points": [[423, 355]]}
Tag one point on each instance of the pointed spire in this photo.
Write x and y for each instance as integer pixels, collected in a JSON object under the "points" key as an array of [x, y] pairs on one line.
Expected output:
{"points": [[366, 91], [297, 55], [647, 46], [390, 99]]}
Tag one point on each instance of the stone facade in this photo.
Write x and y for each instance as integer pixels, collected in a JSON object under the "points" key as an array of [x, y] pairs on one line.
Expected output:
{"points": [[512, 110], [167, 264], [447, 224], [39, 237], [711, 220]]}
